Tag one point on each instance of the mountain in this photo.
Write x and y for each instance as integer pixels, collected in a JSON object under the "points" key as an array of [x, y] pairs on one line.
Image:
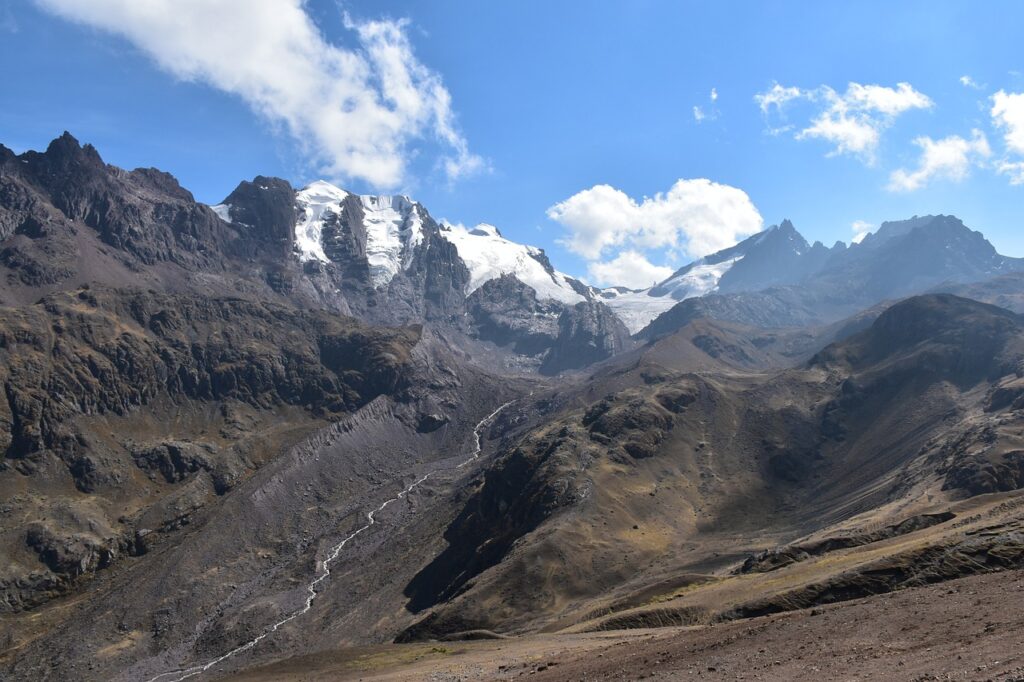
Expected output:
{"points": [[633, 504], [789, 283], [777, 256], [69, 219], [272, 437]]}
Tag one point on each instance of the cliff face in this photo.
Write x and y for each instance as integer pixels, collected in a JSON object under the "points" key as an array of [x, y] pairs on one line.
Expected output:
{"points": [[108, 393]]}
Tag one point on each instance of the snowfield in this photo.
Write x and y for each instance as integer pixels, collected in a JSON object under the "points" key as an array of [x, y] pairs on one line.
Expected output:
{"points": [[488, 256], [393, 228]]}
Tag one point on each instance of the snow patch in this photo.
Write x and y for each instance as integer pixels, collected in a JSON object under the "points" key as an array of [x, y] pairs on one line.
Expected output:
{"points": [[223, 212], [637, 309], [392, 223], [699, 279], [393, 230], [316, 203], [488, 256]]}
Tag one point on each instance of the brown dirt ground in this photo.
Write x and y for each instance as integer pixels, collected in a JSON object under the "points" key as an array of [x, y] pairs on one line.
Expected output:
{"points": [[967, 629]]}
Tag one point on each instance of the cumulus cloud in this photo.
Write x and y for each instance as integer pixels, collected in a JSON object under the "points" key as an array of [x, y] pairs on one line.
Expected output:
{"points": [[697, 217], [856, 135], [629, 269], [950, 158], [698, 114], [852, 121], [1008, 115], [860, 229], [358, 112]]}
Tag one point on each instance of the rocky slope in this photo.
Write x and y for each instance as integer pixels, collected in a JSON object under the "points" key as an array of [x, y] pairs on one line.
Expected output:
{"points": [[126, 412], [202, 406], [673, 474]]}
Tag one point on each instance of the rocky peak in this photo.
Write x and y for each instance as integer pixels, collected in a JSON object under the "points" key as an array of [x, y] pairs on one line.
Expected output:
{"points": [[65, 151], [264, 209]]}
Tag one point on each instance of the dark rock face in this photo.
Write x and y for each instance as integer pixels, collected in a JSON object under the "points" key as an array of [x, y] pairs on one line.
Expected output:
{"points": [[79, 360], [144, 212], [264, 210], [508, 313], [142, 346], [587, 333], [436, 279], [977, 474], [518, 493], [173, 460]]}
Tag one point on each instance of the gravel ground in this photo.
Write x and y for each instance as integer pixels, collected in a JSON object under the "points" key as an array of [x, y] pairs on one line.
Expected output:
{"points": [[968, 629]]}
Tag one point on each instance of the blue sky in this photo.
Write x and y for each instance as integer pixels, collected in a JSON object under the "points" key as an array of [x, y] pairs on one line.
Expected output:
{"points": [[550, 99]]}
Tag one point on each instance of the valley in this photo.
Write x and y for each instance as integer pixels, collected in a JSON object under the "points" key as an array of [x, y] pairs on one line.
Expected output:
{"points": [[311, 434]]}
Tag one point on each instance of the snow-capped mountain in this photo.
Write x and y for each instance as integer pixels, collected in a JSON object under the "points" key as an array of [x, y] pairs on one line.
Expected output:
{"points": [[488, 255], [392, 224], [778, 255], [392, 227], [384, 259]]}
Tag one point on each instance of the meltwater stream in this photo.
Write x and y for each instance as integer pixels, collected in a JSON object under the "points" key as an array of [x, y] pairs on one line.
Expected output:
{"points": [[325, 566]]}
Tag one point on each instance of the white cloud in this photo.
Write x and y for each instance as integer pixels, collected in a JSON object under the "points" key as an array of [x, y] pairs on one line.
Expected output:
{"points": [[1014, 169], [857, 135], [700, 114], [852, 121], [695, 216], [860, 229], [969, 82], [1008, 114], [950, 158], [357, 112], [887, 101], [629, 269], [777, 96]]}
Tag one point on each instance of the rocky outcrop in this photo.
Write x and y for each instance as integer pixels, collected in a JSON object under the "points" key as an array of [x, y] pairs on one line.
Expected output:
{"points": [[507, 312], [100, 351], [144, 212], [101, 387], [587, 333], [264, 212]]}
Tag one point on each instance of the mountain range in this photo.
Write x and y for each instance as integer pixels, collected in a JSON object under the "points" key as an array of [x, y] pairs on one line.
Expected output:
{"points": [[306, 420]]}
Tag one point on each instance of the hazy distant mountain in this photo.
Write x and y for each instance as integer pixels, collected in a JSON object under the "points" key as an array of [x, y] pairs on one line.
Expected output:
{"points": [[777, 256], [799, 284]]}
